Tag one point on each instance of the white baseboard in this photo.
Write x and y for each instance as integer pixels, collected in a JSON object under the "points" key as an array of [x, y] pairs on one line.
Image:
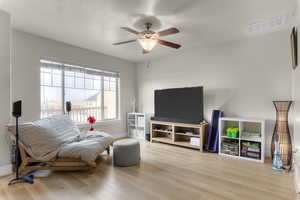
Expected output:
{"points": [[5, 170]]}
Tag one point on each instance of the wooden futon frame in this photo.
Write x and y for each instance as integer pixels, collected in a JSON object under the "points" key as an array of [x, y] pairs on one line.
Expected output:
{"points": [[27, 163]]}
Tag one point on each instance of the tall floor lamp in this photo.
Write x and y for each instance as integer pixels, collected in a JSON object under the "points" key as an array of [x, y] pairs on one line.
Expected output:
{"points": [[17, 112], [282, 130]]}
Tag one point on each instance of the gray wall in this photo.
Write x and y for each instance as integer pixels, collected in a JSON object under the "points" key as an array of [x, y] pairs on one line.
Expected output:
{"points": [[4, 85], [241, 78], [29, 49]]}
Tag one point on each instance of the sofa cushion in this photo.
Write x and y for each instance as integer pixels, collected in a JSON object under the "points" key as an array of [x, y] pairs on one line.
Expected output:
{"points": [[43, 138], [59, 128], [87, 147]]}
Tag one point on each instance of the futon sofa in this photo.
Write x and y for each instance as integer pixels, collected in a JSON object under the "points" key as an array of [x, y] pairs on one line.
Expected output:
{"points": [[58, 144]]}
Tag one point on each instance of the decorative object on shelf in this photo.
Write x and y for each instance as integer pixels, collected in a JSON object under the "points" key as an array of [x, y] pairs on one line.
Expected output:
{"points": [[17, 112], [91, 120], [282, 130], [232, 132], [294, 47], [212, 143], [277, 162]]}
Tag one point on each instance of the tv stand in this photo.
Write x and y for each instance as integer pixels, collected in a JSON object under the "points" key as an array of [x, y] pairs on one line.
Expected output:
{"points": [[179, 134]]}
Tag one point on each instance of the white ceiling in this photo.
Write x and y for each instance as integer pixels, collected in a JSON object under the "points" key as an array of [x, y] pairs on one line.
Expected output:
{"points": [[94, 24]]}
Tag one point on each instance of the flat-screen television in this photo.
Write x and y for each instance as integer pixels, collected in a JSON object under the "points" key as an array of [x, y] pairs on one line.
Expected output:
{"points": [[184, 105]]}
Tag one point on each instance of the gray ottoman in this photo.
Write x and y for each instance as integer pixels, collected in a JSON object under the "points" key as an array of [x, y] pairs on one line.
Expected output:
{"points": [[126, 152]]}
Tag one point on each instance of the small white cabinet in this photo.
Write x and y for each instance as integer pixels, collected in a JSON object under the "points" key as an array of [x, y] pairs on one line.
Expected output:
{"points": [[137, 125], [249, 144]]}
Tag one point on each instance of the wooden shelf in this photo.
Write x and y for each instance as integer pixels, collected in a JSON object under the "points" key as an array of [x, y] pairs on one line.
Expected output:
{"points": [[186, 144], [163, 139], [178, 143], [189, 135], [162, 131], [157, 128]]}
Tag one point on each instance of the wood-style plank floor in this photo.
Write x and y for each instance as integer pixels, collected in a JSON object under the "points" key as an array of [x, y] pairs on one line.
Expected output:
{"points": [[165, 172]]}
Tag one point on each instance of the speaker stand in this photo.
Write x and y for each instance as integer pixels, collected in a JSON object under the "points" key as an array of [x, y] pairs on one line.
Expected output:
{"points": [[22, 179], [18, 179]]}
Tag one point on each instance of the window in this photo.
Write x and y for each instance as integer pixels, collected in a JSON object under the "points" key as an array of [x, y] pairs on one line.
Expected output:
{"points": [[91, 91]]}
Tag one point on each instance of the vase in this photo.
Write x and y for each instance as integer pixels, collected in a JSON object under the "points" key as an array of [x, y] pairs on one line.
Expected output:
{"points": [[91, 127], [282, 130]]}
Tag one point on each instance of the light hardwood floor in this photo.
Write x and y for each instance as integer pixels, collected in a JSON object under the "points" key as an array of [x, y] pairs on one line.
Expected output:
{"points": [[165, 172]]}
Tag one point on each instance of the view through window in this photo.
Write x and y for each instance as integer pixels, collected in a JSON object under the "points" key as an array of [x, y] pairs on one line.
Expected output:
{"points": [[92, 92]]}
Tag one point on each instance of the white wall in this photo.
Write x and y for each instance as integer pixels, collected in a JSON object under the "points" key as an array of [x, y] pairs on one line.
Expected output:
{"points": [[4, 86], [296, 99], [29, 49], [296, 107], [241, 78]]}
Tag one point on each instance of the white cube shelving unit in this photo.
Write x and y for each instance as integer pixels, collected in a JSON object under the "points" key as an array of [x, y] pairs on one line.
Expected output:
{"points": [[137, 125], [250, 130]]}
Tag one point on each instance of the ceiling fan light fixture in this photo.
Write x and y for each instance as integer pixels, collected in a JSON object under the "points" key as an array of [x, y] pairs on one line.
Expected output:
{"points": [[147, 43], [148, 38]]}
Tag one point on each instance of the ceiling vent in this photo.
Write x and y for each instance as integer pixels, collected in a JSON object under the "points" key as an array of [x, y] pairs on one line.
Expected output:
{"points": [[269, 25]]}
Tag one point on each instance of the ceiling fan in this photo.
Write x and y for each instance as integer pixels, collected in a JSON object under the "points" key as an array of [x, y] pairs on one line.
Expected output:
{"points": [[148, 38]]}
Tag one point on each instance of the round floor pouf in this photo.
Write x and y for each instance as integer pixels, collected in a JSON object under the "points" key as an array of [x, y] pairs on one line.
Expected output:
{"points": [[126, 152]]}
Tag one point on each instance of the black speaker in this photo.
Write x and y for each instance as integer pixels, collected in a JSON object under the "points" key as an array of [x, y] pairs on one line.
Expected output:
{"points": [[68, 106], [17, 109]]}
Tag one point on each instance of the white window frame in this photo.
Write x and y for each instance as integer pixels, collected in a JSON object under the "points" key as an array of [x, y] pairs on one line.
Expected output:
{"points": [[65, 65]]}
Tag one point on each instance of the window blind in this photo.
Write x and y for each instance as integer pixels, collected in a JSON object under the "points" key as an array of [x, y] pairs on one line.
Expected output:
{"points": [[76, 68], [91, 91]]}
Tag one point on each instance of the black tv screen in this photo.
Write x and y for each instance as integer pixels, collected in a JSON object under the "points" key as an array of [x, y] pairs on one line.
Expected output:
{"points": [[183, 105]]}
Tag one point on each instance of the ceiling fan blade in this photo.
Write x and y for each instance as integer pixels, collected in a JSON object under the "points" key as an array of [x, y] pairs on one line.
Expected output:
{"points": [[169, 31], [130, 30], [128, 41], [169, 44]]}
